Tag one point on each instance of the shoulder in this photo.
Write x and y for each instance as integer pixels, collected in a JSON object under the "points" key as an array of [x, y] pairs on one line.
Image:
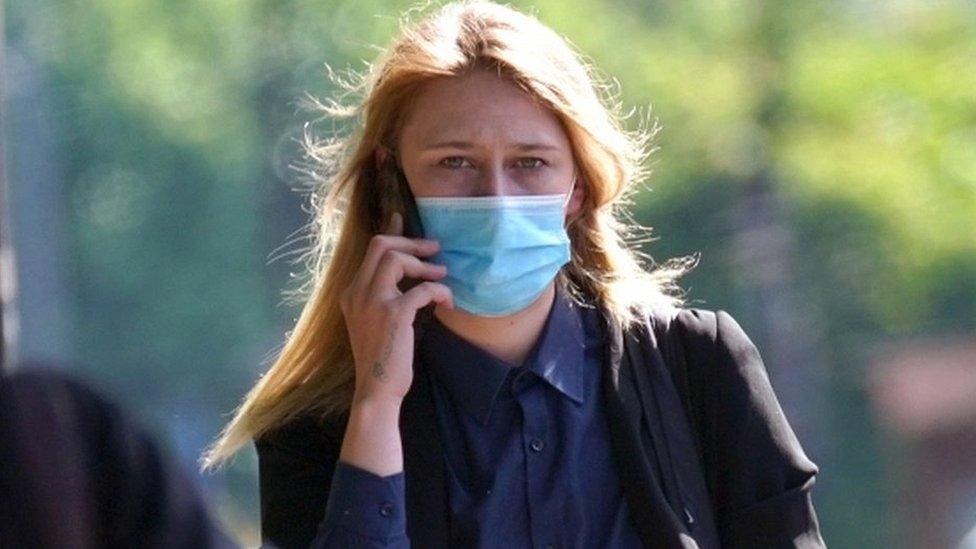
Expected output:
{"points": [[712, 339], [308, 433], [60, 404], [48, 385], [703, 326]]}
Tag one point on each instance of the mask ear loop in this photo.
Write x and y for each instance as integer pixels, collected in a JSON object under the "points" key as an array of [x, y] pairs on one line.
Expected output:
{"points": [[569, 195], [569, 198]]}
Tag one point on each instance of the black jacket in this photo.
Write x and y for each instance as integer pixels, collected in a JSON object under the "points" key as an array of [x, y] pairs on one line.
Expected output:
{"points": [[705, 454]]}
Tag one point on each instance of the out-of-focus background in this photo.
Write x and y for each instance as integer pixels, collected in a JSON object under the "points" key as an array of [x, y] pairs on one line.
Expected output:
{"points": [[819, 155]]}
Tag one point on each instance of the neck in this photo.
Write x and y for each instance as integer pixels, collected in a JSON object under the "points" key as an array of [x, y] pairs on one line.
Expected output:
{"points": [[510, 337]]}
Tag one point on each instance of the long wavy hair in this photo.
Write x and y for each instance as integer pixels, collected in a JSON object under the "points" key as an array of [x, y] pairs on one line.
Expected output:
{"points": [[314, 370]]}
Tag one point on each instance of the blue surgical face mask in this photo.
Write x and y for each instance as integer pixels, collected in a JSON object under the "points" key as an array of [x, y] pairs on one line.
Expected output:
{"points": [[500, 251]]}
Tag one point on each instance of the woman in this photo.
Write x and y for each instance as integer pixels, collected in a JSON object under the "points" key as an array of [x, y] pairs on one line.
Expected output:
{"points": [[465, 389]]}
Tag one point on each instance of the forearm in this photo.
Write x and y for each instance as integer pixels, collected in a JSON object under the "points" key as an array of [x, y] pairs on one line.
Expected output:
{"points": [[341, 493], [372, 438], [366, 507]]}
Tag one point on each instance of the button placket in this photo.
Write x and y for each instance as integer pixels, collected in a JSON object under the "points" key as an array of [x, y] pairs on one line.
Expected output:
{"points": [[535, 433]]}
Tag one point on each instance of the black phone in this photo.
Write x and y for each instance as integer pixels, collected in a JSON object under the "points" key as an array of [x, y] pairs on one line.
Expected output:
{"points": [[407, 206], [412, 227]]}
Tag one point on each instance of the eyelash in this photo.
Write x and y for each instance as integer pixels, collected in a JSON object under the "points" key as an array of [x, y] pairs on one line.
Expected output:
{"points": [[541, 163]]}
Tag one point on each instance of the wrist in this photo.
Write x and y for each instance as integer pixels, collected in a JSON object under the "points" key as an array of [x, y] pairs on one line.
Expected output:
{"points": [[372, 438], [376, 414], [375, 401]]}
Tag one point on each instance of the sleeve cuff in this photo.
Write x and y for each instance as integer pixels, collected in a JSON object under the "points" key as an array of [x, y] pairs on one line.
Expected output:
{"points": [[366, 504]]}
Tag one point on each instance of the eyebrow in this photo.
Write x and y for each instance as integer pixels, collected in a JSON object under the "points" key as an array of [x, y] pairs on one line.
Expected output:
{"points": [[467, 145]]}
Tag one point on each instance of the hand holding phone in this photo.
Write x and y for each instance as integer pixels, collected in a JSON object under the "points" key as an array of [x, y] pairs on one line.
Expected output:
{"points": [[396, 196], [380, 320]]}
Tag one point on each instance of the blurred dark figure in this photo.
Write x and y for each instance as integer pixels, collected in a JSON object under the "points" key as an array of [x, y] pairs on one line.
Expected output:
{"points": [[76, 472]]}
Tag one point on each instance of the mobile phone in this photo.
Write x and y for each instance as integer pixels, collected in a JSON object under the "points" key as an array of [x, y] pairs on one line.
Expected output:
{"points": [[407, 206], [412, 227]]}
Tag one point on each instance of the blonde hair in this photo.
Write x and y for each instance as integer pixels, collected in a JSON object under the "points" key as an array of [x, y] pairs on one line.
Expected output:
{"points": [[314, 371]]}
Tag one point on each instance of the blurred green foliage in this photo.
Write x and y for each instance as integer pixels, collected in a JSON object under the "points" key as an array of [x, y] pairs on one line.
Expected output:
{"points": [[176, 121]]}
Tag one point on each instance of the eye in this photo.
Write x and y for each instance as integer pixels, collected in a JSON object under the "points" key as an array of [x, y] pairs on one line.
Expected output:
{"points": [[532, 163], [453, 162]]}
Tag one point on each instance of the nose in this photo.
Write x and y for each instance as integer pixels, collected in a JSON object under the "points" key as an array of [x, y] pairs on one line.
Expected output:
{"points": [[495, 182]]}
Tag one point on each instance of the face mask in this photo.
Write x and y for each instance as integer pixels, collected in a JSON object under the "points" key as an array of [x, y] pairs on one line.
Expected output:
{"points": [[500, 251]]}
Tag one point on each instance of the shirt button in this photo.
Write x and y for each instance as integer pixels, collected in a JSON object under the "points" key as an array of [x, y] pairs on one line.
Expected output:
{"points": [[537, 445], [386, 508]]}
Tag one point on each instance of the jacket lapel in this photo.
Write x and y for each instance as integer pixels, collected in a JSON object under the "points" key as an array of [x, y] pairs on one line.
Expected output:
{"points": [[658, 463], [687, 490], [635, 455], [423, 464]]}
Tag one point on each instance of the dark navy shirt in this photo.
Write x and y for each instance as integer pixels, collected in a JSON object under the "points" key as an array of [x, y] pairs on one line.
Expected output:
{"points": [[527, 447]]}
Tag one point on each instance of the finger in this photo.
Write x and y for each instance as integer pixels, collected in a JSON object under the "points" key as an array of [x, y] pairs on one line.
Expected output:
{"points": [[426, 292], [395, 265], [380, 244]]}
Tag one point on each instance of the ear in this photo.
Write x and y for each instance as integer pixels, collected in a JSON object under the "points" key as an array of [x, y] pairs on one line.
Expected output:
{"points": [[380, 155]]}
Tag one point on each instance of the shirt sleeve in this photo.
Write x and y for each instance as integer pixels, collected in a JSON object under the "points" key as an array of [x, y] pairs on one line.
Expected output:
{"points": [[364, 510], [311, 498], [762, 479]]}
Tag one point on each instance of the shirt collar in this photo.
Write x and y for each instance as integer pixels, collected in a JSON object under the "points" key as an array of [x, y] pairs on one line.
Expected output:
{"points": [[474, 377]]}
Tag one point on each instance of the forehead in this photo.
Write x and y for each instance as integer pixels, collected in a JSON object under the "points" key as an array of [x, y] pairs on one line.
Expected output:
{"points": [[480, 107]]}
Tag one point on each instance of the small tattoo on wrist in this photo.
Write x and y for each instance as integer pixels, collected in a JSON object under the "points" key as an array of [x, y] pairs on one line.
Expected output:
{"points": [[379, 371]]}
